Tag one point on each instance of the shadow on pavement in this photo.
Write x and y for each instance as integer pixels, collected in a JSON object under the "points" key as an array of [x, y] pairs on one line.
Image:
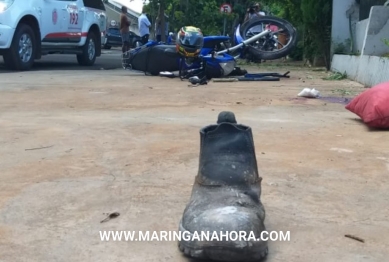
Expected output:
{"points": [[68, 62]]}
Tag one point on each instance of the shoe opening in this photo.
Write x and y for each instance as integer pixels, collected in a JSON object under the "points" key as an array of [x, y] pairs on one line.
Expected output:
{"points": [[213, 128]]}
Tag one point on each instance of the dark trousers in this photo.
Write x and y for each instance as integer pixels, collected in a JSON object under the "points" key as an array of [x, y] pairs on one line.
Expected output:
{"points": [[145, 39], [159, 38]]}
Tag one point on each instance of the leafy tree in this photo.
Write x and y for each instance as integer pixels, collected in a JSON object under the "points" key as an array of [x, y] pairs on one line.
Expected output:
{"points": [[204, 14], [317, 20], [313, 20]]}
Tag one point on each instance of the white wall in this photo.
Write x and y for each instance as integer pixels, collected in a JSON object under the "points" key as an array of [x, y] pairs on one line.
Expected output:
{"points": [[360, 35], [367, 70], [377, 29]]}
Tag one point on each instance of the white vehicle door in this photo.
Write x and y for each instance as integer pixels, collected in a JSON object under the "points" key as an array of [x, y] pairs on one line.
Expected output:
{"points": [[51, 19], [96, 13], [76, 17], [103, 21]]}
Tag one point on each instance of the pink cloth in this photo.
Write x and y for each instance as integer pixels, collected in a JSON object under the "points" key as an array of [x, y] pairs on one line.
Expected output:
{"points": [[273, 28]]}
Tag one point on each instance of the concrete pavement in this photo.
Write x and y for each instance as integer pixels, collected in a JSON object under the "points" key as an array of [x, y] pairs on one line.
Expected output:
{"points": [[77, 144]]}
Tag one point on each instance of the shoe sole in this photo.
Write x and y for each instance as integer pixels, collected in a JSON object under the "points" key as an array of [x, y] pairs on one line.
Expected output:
{"points": [[221, 251]]}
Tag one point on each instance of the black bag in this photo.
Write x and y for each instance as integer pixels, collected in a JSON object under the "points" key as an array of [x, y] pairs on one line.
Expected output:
{"points": [[155, 59]]}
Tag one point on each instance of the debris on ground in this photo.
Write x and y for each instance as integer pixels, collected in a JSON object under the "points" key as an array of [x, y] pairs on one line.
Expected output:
{"points": [[225, 80], [254, 77], [355, 238], [110, 216], [309, 93], [167, 74], [235, 79], [262, 78], [37, 148], [196, 81], [258, 75]]}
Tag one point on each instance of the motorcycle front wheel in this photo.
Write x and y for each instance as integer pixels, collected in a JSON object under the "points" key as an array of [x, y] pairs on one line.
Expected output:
{"points": [[272, 46]]}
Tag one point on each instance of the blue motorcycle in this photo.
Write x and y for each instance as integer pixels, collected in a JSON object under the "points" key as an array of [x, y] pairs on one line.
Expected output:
{"points": [[254, 40]]}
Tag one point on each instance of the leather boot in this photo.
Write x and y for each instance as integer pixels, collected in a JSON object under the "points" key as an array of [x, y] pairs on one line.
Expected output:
{"points": [[225, 202]]}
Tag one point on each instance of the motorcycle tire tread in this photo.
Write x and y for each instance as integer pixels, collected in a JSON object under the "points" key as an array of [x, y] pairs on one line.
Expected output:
{"points": [[275, 54]]}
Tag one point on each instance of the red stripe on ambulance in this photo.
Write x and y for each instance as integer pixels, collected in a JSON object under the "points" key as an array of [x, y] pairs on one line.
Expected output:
{"points": [[67, 35]]}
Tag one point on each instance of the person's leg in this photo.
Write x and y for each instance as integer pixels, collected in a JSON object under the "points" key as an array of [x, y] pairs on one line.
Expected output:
{"points": [[127, 42], [159, 38], [123, 43], [143, 40]]}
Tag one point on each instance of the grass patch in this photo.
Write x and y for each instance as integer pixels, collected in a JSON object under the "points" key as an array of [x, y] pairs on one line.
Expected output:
{"points": [[344, 92], [385, 41], [273, 65], [336, 76]]}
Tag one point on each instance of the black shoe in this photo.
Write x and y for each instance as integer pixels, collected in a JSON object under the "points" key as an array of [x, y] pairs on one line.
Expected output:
{"points": [[225, 197]]}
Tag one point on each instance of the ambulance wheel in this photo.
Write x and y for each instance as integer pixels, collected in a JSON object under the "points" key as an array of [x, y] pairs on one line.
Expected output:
{"points": [[88, 56], [21, 54]]}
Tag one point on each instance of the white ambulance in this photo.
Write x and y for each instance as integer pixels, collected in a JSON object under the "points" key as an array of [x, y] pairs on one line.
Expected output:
{"points": [[30, 29]]}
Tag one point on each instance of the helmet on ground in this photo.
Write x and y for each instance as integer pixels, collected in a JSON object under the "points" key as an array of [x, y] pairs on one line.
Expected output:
{"points": [[189, 41]]}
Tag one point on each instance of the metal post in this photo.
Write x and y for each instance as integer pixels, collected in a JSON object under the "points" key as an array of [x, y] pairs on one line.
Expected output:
{"points": [[225, 24]]}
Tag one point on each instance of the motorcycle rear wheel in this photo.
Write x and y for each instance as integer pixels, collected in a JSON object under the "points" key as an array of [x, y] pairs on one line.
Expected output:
{"points": [[282, 23]]}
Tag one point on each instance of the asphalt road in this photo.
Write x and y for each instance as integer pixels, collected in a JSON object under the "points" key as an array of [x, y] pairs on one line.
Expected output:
{"points": [[110, 59]]}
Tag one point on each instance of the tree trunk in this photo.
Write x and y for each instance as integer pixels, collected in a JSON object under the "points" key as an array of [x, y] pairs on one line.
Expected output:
{"points": [[237, 19], [234, 25], [163, 20]]}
